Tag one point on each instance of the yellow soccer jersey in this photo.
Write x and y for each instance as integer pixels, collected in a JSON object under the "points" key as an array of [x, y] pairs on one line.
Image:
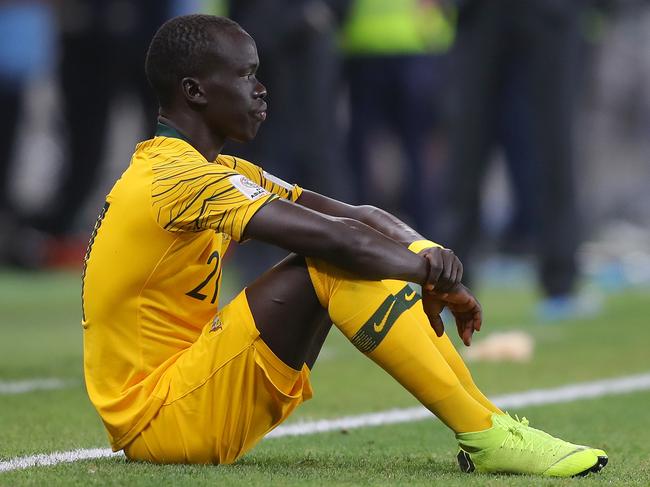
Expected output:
{"points": [[153, 268]]}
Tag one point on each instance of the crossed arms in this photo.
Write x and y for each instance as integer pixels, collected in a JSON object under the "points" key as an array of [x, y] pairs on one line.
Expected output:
{"points": [[372, 244]]}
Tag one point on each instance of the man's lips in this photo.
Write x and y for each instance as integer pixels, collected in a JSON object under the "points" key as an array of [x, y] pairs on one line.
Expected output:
{"points": [[261, 113]]}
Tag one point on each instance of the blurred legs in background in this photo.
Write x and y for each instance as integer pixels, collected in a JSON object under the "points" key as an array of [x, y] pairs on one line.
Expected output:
{"points": [[392, 95], [395, 56], [103, 46], [545, 36]]}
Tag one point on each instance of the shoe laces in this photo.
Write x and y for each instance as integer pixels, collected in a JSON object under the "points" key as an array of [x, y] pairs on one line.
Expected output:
{"points": [[516, 438], [521, 437], [522, 421]]}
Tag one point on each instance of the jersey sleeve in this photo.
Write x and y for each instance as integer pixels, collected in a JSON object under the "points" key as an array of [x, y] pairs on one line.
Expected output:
{"points": [[266, 180], [192, 196]]}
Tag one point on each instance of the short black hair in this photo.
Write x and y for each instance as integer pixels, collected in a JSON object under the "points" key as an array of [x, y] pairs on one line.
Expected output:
{"points": [[179, 48]]}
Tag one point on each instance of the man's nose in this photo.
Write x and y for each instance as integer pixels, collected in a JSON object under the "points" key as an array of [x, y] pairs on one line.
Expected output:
{"points": [[260, 91]]}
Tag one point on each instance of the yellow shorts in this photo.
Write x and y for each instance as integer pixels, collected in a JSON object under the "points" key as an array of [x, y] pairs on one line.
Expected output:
{"points": [[226, 392]]}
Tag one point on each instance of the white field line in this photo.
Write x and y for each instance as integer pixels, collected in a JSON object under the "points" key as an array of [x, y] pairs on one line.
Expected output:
{"points": [[535, 397], [23, 386], [47, 459]]}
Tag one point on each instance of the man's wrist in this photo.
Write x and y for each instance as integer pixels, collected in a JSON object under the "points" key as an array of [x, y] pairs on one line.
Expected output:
{"points": [[419, 245], [425, 282]]}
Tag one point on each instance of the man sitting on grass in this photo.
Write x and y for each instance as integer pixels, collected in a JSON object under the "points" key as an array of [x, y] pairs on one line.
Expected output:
{"points": [[177, 379]]}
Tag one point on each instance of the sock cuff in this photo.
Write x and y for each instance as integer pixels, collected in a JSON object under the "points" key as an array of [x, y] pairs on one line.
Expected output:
{"points": [[419, 245]]}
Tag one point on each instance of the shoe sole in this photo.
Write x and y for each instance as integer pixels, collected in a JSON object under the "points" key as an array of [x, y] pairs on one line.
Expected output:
{"points": [[467, 466], [602, 461], [465, 462]]}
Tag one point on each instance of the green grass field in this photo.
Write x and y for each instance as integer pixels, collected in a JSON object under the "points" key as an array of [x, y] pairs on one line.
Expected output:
{"points": [[41, 338]]}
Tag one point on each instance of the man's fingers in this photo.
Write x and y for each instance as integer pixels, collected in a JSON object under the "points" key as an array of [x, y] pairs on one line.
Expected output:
{"points": [[478, 319], [445, 279], [477, 311], [457, 273], [467, 335], [471, 312], [445, 270], [432, 308], [464, 306], [437, 325], [435, 268], [453, 278], [449, 276], [465, 326]]}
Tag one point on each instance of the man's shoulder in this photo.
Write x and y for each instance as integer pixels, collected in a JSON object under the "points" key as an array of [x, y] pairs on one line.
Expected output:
{"points": [[237, 163]]}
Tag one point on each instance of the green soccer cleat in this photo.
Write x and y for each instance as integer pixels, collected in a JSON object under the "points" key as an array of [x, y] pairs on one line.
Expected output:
{"points": [[512, 446]]}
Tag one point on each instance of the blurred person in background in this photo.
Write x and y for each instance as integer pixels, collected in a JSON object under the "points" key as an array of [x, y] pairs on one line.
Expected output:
{"points": [[26, 33], [513, 135], [102, 45], [617, 118], [395, 64], [302, 69], [544, 36]]}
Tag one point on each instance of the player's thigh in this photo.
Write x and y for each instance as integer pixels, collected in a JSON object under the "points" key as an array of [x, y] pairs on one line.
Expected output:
{"points": [[287, 312], [226, 392]]}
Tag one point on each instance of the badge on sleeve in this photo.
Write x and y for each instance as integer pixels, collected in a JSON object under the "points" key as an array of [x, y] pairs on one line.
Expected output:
{"points": [[248, 188]]}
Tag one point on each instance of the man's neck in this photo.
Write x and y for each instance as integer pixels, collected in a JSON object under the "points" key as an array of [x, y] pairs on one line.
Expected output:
{"points": [[194, 132]]}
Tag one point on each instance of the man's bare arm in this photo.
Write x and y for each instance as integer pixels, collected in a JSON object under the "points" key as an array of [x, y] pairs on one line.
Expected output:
{"points": [[358, 248], [342, 241], [446, 268], [380, 220]]}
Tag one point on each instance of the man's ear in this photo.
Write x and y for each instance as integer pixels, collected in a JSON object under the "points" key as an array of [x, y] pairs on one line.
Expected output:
{"points": [[193, 92]]}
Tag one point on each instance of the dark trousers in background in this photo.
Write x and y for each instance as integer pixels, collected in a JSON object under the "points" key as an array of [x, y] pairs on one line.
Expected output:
{"points": [[11, 103], [490, 34], [94, 70], [394, 95], [514, 136]]}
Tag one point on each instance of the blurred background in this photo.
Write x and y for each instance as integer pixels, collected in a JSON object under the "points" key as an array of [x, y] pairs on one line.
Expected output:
{"points": [[515, 132]]}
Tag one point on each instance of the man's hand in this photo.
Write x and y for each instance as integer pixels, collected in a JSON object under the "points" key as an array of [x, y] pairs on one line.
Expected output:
{"points": [[445, 270], [462, 304]]}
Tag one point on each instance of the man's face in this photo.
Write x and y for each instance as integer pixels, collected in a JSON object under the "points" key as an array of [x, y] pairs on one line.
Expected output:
{"points": [[236, 105]]}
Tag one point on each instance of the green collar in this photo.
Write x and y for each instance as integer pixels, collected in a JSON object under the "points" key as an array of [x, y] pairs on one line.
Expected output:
{"points": [[167, 131]]}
